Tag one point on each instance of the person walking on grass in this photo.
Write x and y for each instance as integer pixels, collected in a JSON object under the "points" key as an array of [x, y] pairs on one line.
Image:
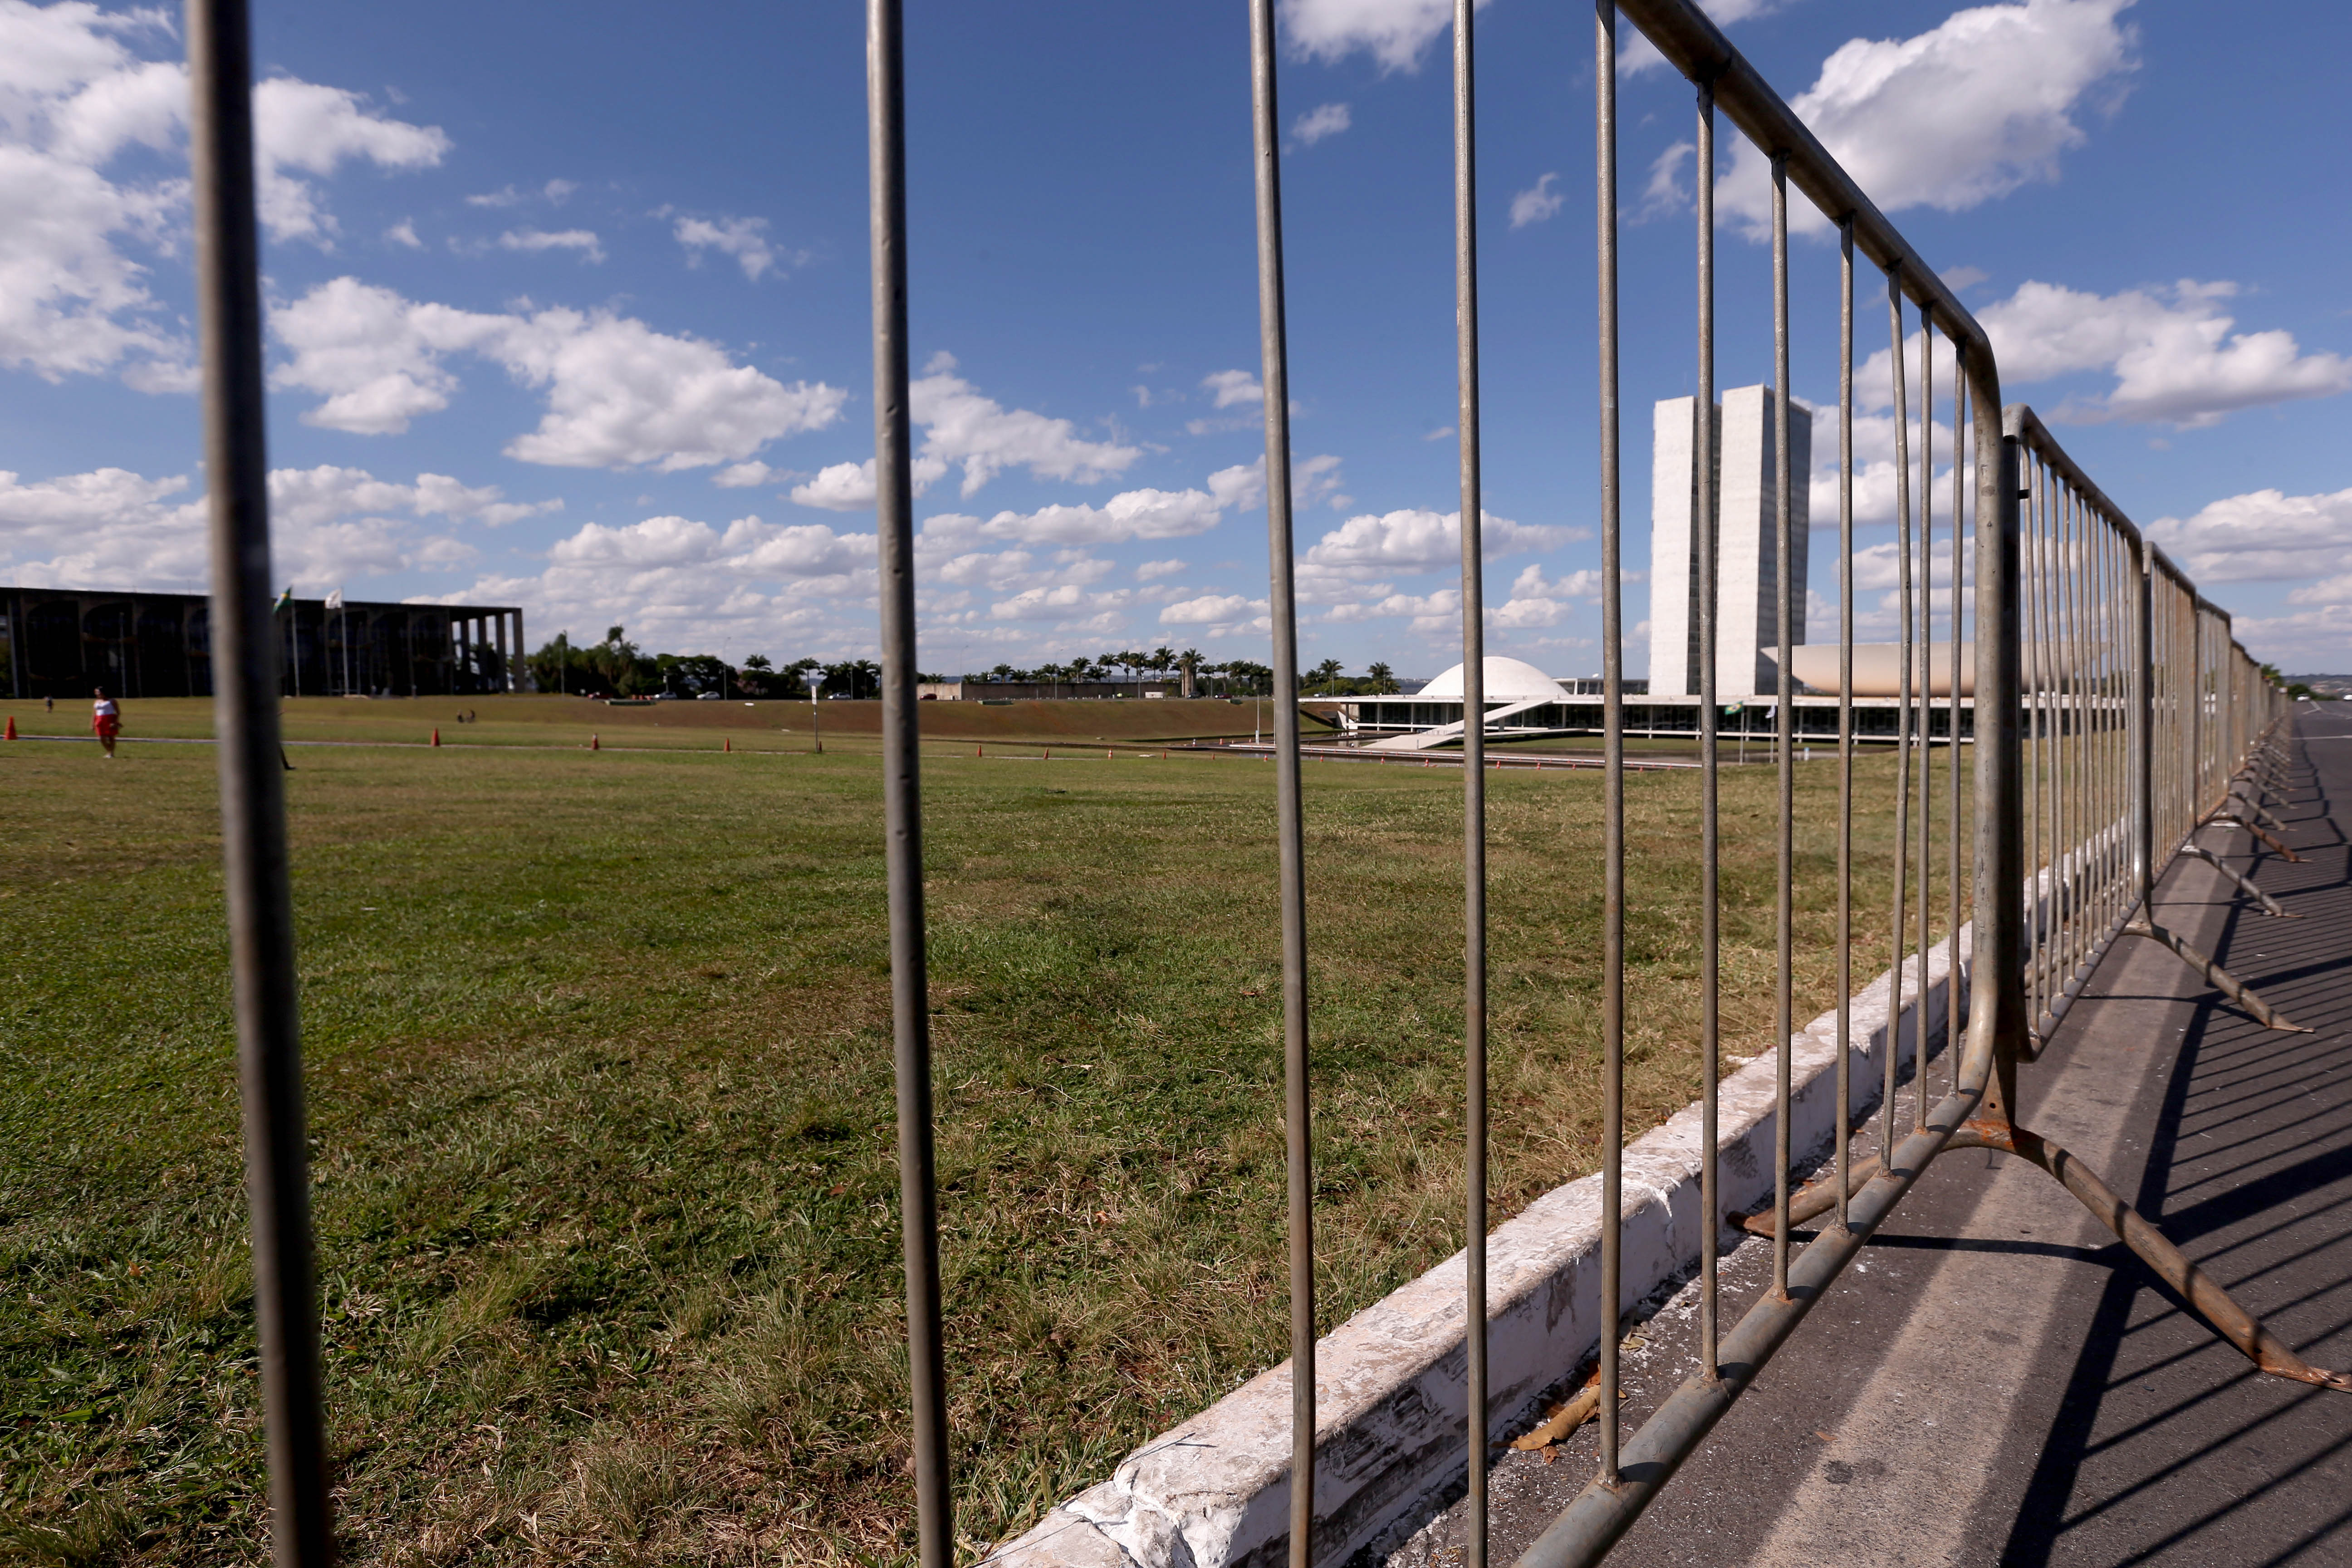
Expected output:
{"points": [[106, 718]]}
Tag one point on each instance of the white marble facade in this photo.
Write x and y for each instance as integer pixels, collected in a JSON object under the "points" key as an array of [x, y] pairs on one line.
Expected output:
{"points": [[1747, 564]]}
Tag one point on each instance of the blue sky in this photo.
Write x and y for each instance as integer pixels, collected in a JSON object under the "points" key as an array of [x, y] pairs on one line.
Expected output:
{"points": [[569, 306]]}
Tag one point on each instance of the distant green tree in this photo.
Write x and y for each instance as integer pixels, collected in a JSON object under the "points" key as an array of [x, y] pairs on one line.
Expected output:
{"points": [[1326, 674], [1255, 680], [620, 667], [1383, 679]]}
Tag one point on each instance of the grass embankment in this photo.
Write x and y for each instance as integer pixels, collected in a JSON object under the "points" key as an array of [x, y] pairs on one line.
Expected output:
{"points": [[546, 721], [599, 1073]]}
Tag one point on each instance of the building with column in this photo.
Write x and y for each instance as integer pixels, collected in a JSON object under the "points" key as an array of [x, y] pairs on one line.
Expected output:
{"points": [[1747, 558], [63, 642]]}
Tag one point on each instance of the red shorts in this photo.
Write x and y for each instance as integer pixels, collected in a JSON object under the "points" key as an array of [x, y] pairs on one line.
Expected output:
{"points": [[107, 726]]}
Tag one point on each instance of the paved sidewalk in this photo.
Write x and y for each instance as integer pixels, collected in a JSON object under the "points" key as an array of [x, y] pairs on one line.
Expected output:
{"points": [[1995, 1380]]}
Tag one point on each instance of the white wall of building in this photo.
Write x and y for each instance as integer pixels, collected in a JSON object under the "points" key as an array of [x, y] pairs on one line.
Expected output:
{"points": [[1747, 562]]}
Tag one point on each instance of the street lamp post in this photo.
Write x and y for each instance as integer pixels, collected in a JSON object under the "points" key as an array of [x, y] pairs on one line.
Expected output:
{"points": [[815, 678]]}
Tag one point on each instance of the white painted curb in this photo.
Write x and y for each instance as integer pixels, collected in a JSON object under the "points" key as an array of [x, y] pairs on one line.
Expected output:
{"points": [[1214, 1492]]}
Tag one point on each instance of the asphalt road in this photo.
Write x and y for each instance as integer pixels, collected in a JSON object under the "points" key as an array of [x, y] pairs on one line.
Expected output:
{"points": [[1995, 1380]]}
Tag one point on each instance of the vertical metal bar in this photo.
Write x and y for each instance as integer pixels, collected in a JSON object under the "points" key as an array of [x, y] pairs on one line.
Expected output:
{"points": [[1784, 909], [2061, 721], [1997, 980], [1952, 724], [2030, 727], [253, 805], [2070, 797], [2097, 817], [1927, 702], [1892, 1067], [1711, 717], [1613, 786], [1846, 715], [2113, 810], [2063, 758], [2192, 617], [2060, 754], [902, 789], [2046, 842], [1274, 363], [1473, 760], [2094, 638]]}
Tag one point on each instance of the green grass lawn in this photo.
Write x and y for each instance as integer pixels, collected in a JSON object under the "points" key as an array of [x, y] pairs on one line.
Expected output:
{"points": [[543, 721], [599, 1070]]}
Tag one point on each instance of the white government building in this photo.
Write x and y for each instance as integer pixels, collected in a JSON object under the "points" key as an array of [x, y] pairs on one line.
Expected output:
{"points": [[1523, 704]]}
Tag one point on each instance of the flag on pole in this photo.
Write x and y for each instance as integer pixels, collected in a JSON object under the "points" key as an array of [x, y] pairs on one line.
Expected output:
{"points": [[335, 600], [285, 600]]}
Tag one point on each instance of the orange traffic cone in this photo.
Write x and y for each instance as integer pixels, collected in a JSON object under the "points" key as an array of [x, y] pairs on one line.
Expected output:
{"points": [[1106, 756], [595, 742], [977, 750], [12, 727], [1049, 754], [436, 734], [729, 745]]}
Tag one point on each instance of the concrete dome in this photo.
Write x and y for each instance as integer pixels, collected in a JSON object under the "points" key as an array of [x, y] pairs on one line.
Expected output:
{"points": [[1508, 681]]}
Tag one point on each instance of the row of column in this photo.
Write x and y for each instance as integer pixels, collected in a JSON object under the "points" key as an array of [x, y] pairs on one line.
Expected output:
{"points": [[497, 631]]}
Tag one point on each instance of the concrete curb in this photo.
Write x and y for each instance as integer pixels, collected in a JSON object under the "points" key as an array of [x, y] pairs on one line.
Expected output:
{"points": [[1214, 1492]]}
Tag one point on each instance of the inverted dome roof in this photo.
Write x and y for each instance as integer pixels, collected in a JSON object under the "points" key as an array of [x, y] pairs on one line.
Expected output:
{"points": [[1508, 681]]}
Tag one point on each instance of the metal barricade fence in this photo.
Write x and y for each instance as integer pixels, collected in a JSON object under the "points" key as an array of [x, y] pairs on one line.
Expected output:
{"points": [[2113, 716]]}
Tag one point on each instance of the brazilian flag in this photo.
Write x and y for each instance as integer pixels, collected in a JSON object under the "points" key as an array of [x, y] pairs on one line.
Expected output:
{"points": [[285, 600]]}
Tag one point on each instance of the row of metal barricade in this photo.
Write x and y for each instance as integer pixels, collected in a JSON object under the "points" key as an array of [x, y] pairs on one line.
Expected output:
{"points": [[2113, 716]]}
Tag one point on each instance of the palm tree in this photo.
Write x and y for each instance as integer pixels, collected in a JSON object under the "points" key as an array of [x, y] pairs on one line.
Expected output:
{"points": [[1383, 679], [1328, 672], [1188, 661]]}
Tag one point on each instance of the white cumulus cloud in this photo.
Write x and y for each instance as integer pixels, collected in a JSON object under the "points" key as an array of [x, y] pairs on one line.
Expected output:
{"points": [[1417, 540], [2173, 351], [962, 427], [849, 487], [681, 583], [582, 241], [2264, 535], [316, 129], [1218, 612], [1976, 106], [744, 239], [618, 394], [1393, 32], [1234, 388], [1538, 600], [329, 525], [1538, 202], [1313, 126], [76, 93]]}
